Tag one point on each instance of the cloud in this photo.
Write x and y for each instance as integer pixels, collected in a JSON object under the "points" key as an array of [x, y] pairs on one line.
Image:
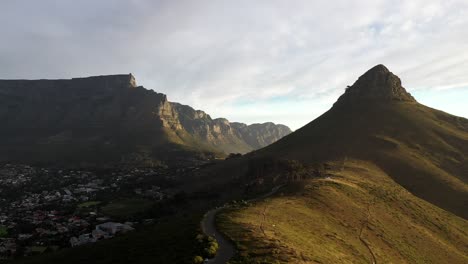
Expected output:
{"points": [[250, 61]]}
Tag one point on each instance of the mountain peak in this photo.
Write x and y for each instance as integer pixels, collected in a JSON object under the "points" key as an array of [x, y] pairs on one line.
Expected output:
{"points": [[377, 84], [380, 68]]}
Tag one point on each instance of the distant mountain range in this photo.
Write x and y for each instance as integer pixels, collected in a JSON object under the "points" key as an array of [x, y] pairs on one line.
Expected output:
{"points": [[109, 119]]}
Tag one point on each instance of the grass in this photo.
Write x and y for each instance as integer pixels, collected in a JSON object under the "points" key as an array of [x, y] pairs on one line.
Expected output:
{"points": [[327, 220], [38, 249], [126, 207], [3, 231], [89, 204], [422, 149]]}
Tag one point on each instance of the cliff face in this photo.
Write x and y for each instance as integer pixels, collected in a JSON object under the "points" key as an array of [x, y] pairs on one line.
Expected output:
{"points": [[261, 135], [223, 135], [109, 118]]}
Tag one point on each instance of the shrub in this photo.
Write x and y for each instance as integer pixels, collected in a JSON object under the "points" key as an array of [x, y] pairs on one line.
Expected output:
{"points": [[3, 231], [210, 251], [207, 246], [197, 260]]}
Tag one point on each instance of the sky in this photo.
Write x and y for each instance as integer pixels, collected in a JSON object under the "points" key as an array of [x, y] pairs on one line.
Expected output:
{"points": [[248, 61]]}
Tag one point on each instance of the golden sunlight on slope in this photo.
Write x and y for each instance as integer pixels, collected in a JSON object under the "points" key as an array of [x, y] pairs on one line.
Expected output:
{"points": [[354, 215]]}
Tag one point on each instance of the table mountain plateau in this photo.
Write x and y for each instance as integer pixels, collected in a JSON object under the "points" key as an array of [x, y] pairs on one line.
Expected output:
{"points": [[109, 119]]}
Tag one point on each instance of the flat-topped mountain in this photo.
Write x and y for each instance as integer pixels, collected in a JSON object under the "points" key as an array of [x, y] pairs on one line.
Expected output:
{"points": [[111, 119]]}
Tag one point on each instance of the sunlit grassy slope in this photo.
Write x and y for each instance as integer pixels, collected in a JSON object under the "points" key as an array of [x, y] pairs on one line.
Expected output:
{"points": [[401, 196], [422, 149], [353, 216]]}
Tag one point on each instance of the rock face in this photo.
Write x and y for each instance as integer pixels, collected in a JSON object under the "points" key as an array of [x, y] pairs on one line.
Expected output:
{"points": [[261, 135], [110, 118], [377, 84], [219, 133]]}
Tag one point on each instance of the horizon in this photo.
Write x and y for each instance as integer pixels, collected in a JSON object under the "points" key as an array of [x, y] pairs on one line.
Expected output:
{"points": [[246, 62]]}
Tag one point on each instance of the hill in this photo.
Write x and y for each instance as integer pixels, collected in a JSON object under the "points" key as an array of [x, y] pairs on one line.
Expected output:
{"points": [[355, 215], [422, 149], [109, 119], [378, 174]]}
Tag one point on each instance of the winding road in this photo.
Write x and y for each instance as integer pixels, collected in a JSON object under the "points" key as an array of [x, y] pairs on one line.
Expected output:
{"points": [[226, 249]]}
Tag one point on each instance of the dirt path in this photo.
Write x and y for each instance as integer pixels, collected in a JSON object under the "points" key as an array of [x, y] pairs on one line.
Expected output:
{"points": [[263, 220], [364, 226], [226, 249]]}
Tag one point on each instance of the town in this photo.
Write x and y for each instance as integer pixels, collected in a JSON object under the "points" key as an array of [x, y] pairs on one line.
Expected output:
{"points": [[46, 209]]}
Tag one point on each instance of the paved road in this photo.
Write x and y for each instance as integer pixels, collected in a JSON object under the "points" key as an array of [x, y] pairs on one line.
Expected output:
{"points": [[226, 249]]}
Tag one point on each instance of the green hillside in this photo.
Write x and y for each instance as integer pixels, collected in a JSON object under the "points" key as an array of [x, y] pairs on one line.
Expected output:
{"points": [[380, 175], [347, 217], [422, 149]]}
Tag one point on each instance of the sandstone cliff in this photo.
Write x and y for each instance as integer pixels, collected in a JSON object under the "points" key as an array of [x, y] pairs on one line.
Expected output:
{"points": [[109, 119]]}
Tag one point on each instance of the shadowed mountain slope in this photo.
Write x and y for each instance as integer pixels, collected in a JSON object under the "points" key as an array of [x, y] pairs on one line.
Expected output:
{"points": [[110, 119]]}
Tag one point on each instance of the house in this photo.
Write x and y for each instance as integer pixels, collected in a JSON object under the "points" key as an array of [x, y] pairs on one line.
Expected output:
{"points": [[82, 239], [22, 237], [114, 228], [99, 234], [74, 242]]}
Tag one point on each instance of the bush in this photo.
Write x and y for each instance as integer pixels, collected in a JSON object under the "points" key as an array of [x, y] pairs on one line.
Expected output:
{"points": [[210, 251], [207, 246], [197, 260], [3, 231]]}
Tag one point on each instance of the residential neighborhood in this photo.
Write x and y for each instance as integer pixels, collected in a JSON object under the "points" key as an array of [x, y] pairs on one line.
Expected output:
{"points": [[46, 209]]}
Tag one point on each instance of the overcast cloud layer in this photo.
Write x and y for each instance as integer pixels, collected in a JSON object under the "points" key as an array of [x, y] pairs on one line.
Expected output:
{"points": [[249, 61]]}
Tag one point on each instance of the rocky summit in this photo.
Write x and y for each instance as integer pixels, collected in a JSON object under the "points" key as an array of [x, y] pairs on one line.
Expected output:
{"points": [[377, 84], [111, 119]]}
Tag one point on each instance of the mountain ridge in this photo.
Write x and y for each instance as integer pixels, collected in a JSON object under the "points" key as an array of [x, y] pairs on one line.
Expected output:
{"points": [[109, 118]]}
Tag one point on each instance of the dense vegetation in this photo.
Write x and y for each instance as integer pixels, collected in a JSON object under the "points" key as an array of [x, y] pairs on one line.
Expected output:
{"points": [[3, 231], [127, 207]]}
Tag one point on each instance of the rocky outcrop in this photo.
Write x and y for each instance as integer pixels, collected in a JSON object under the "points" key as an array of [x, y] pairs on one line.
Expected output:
{"points": [[110, 118], [377, 84], [261, 135]]}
